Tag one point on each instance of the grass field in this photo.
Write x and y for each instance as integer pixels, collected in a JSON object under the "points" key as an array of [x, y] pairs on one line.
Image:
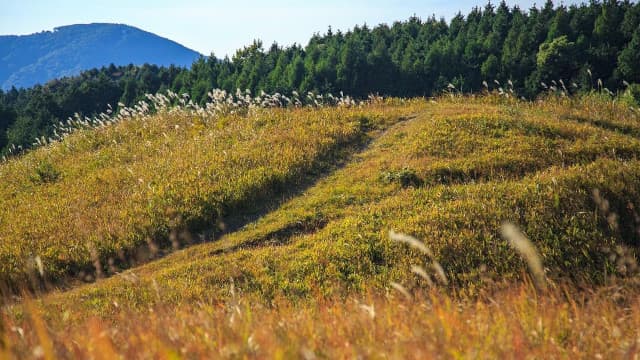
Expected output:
{"points": [[102, 193], [284, 216]]}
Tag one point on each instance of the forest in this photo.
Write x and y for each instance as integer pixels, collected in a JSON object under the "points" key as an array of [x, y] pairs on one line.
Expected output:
{"points": [[564, 49]]}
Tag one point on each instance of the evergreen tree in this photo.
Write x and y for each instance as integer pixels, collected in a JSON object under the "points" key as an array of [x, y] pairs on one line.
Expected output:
{"points": [[629, 60]]}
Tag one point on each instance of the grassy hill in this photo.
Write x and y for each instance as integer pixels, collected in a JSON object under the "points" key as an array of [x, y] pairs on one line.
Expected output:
{"points": [[102, 193], [294, 206]]}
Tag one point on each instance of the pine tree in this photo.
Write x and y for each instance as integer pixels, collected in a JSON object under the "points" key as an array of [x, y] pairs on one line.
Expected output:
{"points": [[629, 60]]}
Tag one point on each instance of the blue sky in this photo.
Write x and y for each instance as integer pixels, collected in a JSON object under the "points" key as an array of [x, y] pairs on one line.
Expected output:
{"points": [[224, 26]]}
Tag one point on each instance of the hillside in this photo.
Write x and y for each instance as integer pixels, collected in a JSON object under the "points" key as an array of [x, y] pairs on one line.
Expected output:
{"points": [[279, 214], [451, 174], [67, 50]]}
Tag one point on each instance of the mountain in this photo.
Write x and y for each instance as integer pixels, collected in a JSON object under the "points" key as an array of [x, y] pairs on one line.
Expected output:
{"points": [[31, 59]]}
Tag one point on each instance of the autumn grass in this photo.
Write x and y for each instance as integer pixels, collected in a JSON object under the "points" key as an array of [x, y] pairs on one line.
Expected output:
{"points": [[317, 273], [99, 195], [512, 323], [529, 164]]}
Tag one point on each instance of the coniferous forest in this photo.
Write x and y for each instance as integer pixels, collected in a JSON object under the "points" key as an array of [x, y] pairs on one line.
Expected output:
{"points": [[594, 46]]}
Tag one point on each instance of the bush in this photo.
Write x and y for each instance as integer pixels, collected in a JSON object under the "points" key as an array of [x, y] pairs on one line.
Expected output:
{"points": [[405, 177], [632, 94], [45, 172]]}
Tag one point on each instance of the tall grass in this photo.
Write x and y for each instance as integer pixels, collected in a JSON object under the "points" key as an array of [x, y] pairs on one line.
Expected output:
{"points": [[512, 323], [480, 162]]}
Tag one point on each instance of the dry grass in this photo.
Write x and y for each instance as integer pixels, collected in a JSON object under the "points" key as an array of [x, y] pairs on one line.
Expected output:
{"points": [[332, 240], [318, 273], [513, 323], [99, 195]]}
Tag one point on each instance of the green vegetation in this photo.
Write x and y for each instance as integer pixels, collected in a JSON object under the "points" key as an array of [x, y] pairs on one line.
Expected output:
{"points": [[449, 172]]}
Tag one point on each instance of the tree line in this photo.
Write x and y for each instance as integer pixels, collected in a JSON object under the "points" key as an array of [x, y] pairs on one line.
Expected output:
{"points": [[587, 46]]}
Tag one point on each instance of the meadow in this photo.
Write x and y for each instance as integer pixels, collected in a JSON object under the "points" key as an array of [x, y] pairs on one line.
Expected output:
{"points": [[100, 194], [270, 232]]}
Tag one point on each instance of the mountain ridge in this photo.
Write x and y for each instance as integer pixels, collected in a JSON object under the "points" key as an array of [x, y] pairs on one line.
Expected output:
{"points": [[26, 60]]}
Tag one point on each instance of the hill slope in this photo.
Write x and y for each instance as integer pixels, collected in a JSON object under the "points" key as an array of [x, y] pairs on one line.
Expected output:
{"points": [[67, 50], [451, 175], [300, 203]]}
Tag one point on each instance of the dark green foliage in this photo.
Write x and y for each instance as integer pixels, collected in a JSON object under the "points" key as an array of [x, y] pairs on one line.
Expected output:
{"points": [[405, 177], [7, 118], [629, 59], [556, 58], [45, 172], [578, 44], [634, 92]]}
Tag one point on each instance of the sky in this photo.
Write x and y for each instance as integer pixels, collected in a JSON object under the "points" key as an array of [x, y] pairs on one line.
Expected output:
{"points": [[222, 27]]}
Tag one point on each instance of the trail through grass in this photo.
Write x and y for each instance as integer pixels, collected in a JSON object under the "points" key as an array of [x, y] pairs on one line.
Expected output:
{"points": [[451, 176], [305, 266], [101, 196]]}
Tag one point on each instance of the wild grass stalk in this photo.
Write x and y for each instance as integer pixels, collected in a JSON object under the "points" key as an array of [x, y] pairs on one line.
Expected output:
{"points": [[527, 250]]}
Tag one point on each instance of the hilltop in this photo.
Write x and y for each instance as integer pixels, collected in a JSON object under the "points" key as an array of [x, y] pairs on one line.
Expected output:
{"points": [[27, 60], [496, 218], [282, 211]]}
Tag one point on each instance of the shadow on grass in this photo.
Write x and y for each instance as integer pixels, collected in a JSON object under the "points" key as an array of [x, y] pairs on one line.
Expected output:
{"points": [[216, 220]]}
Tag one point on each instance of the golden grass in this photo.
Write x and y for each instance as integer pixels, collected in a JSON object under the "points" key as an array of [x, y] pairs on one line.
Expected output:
{"points": [[513, 323], [100, 194], [333, 238], [450, 172]]}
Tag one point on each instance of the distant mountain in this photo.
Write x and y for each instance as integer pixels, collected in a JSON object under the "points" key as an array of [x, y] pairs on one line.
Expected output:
{"points": [[37, 58]]}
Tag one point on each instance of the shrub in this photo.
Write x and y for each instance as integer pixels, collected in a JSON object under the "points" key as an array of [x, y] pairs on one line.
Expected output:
{"points": [[633, 94], [405, 177], [45, 172]]}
